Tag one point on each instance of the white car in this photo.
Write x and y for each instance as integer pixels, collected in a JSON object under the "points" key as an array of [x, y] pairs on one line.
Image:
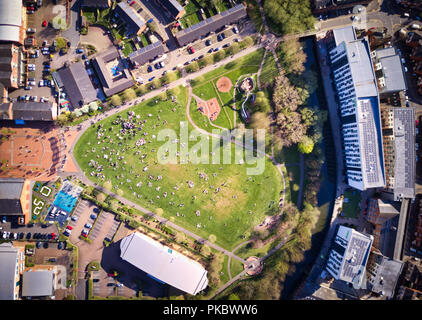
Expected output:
{"points": [[41, 84], [88, 225], [31, 65]]}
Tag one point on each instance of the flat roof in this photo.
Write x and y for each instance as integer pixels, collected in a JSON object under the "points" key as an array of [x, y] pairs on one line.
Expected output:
{"points": [[10, 193], [383, 274], [8, 261], [348, 255], [37, 283], [163, 263], [346, 34], [405, 153], [393, 73]]}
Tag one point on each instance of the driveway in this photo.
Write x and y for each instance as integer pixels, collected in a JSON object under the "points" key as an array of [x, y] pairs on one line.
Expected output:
{"points": [[72, 34], [97, 37]]}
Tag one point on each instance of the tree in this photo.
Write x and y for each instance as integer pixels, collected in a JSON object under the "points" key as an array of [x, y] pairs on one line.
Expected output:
{"points": [[129, 94], [115, 100], [162, 96], [233, 49], [246, 42], [77, 112], [180, 237], [289, 129], [285, 96], [85, 109], [261, 103], [192, 67], [93, 106], [260, 120], [212, 238], [169, 77], [205, 250], [141, 90], [156, 83], [219, 55], [288, 16], [305, 145], [100, 197], [292, 56], [206, 61], [62, 119]]}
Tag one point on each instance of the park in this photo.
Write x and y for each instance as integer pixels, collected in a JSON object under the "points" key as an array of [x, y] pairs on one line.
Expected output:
{"points": [[120, 154]]}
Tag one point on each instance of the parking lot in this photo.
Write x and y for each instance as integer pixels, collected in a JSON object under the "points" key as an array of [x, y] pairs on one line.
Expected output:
{"points": [[35, 22]]}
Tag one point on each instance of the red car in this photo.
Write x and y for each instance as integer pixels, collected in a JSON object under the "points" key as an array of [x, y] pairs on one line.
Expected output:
{"points": [[110, 274], [192, 50], [44, 23], [69, 227], [132, 3], [84, 235]]}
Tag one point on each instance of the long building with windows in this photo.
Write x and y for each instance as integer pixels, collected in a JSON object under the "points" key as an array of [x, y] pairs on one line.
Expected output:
{"points": [[358, 106], [348, 256]]}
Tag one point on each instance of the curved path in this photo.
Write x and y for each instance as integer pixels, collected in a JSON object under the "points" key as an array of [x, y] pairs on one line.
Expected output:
{"points": [[87, 123]]}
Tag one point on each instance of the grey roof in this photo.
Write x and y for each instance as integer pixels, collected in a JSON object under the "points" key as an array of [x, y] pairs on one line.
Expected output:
{"points": [[130, 16], [405, 154], [173, 6], [385, 52], [116, 84], [57, 78], [163, 263], [8, 262], [348, 256], [37, 283], [31, 110], [10, 19], [147, 53], [383, 274], [393, 72], [346, 34], [211, 24], [10, 193], [6, 58], [77, 84], [96, 3]]}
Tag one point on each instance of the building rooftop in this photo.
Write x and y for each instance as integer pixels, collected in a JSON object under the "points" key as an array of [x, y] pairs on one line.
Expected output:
{"points": [[8, 262], [77, 84], [405, 153], [10, 20], [346, 34], [211, 24], [96, 3], [348, 255], [147, 53], [383, 274], [38, 283], [163, 263], [10, 194], [112, 83], [29, 111], [134, 21]]}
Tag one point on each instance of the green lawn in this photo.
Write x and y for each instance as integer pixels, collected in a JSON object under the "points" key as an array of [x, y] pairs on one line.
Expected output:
{"points": [[351, 203], [236, 267], [241, 203], [127, 48]]}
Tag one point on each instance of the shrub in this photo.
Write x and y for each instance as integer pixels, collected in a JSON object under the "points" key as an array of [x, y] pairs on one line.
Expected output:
{"points": [[193, 67], [115, 100], [129, 94], [219, 55]]}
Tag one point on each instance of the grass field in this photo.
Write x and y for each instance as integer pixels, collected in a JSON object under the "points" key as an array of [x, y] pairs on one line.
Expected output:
{"points": [[229, 212], [351, 203], [269, 70]]}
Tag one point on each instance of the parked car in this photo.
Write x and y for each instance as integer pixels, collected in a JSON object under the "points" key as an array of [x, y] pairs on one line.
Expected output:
{"points": [[93, 216], [39, 244], [88, 225], [208, 42], [41, 84], [235, 29], [226, 45], [60, 245], [4, 219], [79, 50], [216, 49], [45, 245], [74, 218], [69, 227], [119, 285], [152, 78], [191, 50], [200, 57], [28, 235], [31, 30], [44, 23]]}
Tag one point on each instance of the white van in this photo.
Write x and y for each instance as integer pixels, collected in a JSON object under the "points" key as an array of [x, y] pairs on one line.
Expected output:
{"points": [[54, 210], [415, 26]]}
